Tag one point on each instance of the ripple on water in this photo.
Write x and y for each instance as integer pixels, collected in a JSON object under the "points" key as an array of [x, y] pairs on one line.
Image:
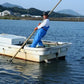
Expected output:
{"points": [[70, 71]]}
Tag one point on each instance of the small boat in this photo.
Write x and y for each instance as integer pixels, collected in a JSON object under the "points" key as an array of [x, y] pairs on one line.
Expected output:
{"points": [[9, 45]]}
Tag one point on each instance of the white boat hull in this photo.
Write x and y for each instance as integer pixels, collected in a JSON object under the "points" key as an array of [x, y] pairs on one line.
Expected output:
{"points": [[36, 54]]}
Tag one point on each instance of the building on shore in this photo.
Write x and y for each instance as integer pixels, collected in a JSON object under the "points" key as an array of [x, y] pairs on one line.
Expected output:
{"points": [[10, 13], [25, 15], [36, 16], [6, 12], [0, 13]]}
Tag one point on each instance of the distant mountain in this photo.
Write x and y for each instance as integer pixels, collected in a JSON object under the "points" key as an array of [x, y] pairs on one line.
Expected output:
{"points": [[10, 5], [33, 11], [68, 11]]}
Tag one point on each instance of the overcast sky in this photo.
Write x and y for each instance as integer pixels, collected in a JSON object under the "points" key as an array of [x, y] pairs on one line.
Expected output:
{"points": [[76, 5]]}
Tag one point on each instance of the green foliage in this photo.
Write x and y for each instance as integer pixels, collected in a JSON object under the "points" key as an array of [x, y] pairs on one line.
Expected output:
{"points": [[14, 9], [56, 15], [32, 11], [18, 10], [2, 8]]}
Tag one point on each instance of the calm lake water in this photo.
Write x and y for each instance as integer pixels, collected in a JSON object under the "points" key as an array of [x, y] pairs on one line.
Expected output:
{"points": [[68, 71]]}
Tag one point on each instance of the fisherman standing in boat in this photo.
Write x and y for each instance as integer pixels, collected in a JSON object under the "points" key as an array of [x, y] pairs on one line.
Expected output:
{"points": [[41, 31]]}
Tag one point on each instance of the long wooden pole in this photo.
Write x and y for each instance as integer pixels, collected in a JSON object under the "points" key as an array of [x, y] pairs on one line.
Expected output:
{"points": [[22, 46], [54, 7], [31, 35]]}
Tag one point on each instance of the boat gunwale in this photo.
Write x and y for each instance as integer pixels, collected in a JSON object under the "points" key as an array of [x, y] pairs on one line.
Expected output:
{"points": [[60, 44]]}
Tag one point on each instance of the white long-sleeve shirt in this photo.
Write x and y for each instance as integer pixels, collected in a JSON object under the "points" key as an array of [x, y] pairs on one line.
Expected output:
{"points": [[44, 23]]}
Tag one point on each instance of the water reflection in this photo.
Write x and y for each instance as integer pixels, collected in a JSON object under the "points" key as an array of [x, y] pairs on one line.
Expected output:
{"points": [[21, 72], [70, 71], [44, 73]]}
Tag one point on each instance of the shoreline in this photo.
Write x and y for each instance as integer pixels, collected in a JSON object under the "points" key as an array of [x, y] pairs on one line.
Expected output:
{"points": [[74, 19]]}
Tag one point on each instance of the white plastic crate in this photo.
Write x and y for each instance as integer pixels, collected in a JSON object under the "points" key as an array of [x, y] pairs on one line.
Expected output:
{"points": [[11, 39]]}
